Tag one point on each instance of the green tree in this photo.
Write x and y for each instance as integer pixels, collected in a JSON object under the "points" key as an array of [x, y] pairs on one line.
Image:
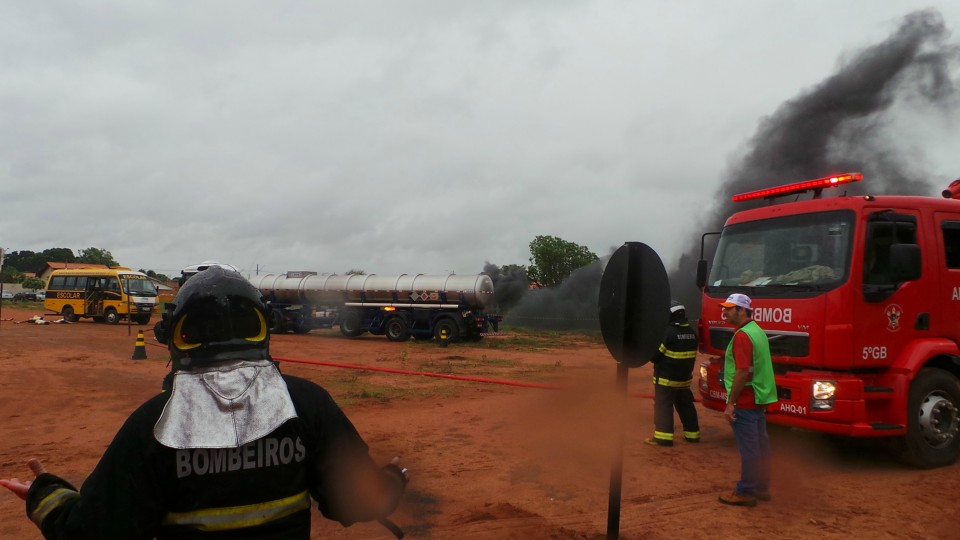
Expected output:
{"points": [[56, 255], [32, 283], [22, 261], [154, 275], [355, 272], [552, 259], [10, 274], [94, 255]]}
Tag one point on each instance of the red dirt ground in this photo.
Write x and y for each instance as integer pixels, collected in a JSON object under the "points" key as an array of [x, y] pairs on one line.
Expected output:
{"points": [[486, 460]]}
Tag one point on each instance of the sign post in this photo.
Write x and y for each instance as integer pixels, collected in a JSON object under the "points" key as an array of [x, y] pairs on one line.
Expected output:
{"points": [[633, 309], [1, 283]]}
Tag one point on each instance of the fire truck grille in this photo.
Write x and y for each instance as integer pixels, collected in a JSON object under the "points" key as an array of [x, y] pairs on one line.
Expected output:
{"points": [[781, 343]]}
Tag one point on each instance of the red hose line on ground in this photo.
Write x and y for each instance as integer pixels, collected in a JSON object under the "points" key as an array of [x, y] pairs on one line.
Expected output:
{"points": [[429, 374], [421, 373]]}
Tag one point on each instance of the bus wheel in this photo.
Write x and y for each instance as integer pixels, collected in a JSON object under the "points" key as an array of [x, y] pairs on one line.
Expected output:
{"points": [[932, 419], [68, 315], [110, 316], [396, 329]]}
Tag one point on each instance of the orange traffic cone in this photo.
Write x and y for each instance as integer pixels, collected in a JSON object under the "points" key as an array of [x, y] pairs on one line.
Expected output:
{"points": [[140, 350]]}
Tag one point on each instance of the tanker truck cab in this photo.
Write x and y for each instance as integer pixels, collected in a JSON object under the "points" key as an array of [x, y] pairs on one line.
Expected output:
{"points": [[860, 300]]}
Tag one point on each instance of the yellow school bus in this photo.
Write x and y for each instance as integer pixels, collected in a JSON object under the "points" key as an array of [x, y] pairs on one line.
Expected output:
{"points": [[106, 294]]}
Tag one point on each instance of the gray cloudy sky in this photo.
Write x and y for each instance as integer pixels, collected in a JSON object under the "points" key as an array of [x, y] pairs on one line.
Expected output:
{"points": [[424, 136]]}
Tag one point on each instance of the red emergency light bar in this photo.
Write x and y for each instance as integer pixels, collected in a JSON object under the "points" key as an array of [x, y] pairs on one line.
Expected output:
{"points": [[799, 187]]}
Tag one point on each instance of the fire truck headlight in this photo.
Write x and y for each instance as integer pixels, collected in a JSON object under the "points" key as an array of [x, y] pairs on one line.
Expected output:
{"points": [[703, 377], [823, 395]]}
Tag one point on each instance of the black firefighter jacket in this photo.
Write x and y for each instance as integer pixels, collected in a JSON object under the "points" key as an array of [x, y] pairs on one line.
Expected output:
{"points": [[263, 490], [673, 364]]}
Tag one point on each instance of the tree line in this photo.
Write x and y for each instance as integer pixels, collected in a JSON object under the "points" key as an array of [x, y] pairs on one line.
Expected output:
{"points": [[16, 264], [552, 260]]}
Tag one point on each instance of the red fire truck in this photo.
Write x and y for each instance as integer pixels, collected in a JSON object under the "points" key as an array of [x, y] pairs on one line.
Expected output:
{"points": [[860, 299]]}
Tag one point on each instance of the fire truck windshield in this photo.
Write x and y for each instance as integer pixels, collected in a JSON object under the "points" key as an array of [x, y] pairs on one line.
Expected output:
{"points": [[809, 252]]}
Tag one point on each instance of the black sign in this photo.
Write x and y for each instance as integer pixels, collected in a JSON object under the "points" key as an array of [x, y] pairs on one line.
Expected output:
{"points": [[634, 304]]}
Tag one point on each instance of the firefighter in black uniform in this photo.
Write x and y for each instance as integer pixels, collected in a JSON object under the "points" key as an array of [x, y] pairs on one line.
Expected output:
{"points": [[672, 376], [235, 450]]}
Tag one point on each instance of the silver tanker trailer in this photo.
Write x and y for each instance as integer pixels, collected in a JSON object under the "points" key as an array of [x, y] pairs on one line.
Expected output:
{"points": [[423, 306]]}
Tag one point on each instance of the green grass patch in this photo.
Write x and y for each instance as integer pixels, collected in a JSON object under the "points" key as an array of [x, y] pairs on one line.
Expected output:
{"points": [[351, 388]]}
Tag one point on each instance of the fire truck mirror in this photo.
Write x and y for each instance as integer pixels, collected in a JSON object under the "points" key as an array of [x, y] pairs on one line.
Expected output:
{"points": [[634, 304], [701, 273]]}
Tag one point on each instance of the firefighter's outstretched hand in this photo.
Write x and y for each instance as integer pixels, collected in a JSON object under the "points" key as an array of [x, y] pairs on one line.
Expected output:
{"points": [[20, 488]]}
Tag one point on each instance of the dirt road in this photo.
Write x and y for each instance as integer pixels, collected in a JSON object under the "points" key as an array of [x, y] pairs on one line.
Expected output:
{"points": [[487, 460]]}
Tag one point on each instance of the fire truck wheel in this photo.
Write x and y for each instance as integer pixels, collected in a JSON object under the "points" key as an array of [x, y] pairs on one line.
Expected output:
{"points": [[396, 329], [68, 314], [350, 325], [110, 316], [932, 419]]}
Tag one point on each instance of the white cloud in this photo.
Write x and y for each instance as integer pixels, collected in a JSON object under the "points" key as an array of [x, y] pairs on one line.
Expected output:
{"points": [[426, 136]]}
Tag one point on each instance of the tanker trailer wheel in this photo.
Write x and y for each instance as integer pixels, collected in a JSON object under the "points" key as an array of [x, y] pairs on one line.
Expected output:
{"points": [[302, 326], [396, 329], [932, 419], [110, 316], [449, 327], [350, 325], [276, 322], [68, 314]]}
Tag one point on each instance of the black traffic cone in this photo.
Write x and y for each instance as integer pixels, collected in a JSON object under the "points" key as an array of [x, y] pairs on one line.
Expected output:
{"points": [[140, 350]]}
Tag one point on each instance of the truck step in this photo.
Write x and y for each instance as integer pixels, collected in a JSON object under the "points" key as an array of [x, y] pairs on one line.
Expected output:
{"points": [[883, 426], [877, 392]]}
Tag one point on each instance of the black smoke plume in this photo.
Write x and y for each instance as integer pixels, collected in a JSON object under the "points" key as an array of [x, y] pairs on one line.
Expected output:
{"points": [[570, 306], [509, 286], [841, 125]]}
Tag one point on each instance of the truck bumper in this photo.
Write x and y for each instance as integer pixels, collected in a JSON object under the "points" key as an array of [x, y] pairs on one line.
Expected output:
{"points": [[860, 407]]}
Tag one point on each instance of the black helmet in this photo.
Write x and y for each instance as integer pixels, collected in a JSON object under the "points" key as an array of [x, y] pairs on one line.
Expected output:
{"points": [[217, 315], [678, 313]]}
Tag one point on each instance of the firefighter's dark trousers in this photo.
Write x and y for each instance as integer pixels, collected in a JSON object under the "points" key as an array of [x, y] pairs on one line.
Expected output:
{"points": [[667, 398]]}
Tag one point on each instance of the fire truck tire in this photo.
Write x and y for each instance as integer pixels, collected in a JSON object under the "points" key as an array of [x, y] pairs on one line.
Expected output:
{"points": [[396, 329], [276, 322], [932, 419], [68, 314], [110, 316], [350, 325], [448, 326]]}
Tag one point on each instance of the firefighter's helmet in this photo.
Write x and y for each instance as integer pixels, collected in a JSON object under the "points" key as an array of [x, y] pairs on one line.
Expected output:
{"points": [[678, 313], [216, 316]]}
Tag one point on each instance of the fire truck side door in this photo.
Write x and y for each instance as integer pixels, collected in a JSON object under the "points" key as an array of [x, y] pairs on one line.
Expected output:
{"points": [[947, 322], [890, 313]]}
